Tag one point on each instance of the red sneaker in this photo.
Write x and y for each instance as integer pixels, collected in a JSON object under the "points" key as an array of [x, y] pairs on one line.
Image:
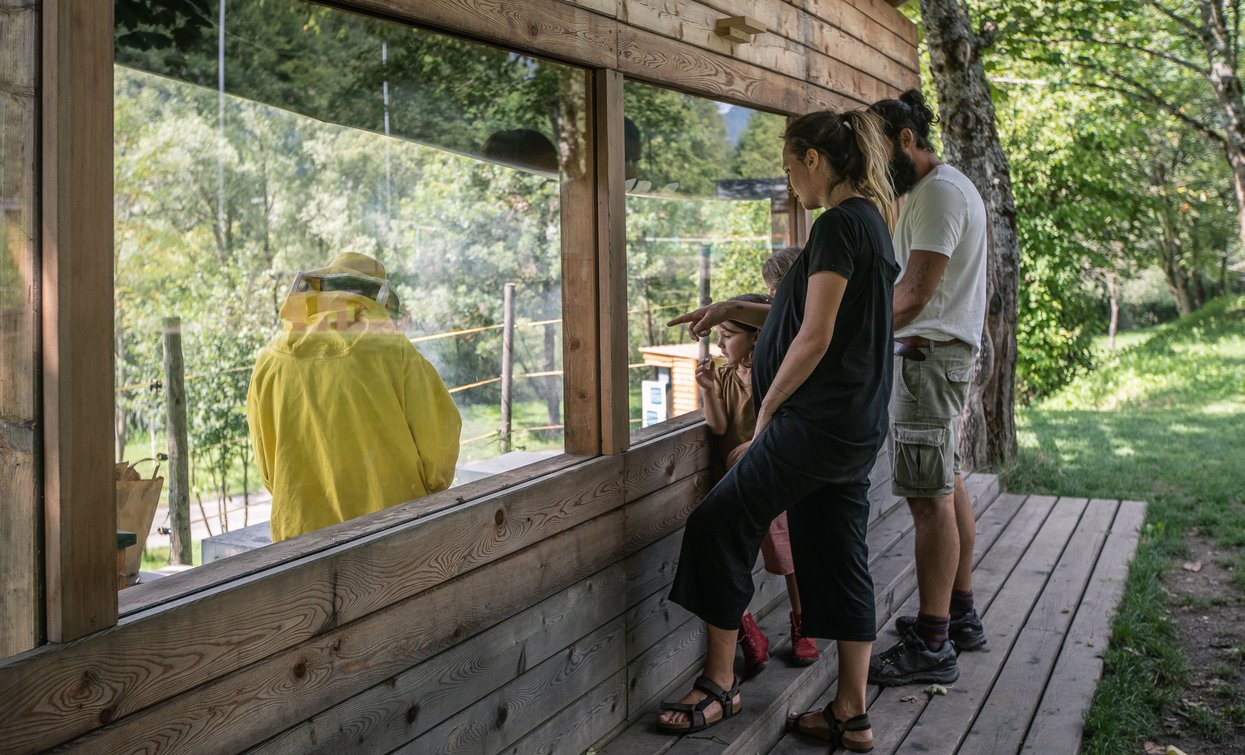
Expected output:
{"points": [[803, 649], [755, 645]]}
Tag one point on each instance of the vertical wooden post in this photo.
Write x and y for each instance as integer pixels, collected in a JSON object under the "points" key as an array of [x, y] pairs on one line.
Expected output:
{"points": [[181, 551], [19, 349], [581, 365], [80, 511], [507, 363], [612, 267], [704, 294]]}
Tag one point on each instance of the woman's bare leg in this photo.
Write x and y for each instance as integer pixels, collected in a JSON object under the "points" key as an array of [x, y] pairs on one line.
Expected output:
{"points": [[720, 667]]}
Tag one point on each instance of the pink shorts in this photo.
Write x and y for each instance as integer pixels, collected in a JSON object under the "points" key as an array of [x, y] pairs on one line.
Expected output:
{"points": [[776, 547]]}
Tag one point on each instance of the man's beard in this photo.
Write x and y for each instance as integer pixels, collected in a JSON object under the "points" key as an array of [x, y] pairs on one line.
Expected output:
{"points": [[903, 173]]}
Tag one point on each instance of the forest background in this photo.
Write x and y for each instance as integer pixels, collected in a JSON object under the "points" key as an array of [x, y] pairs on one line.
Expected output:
{"points": [[1126, 210]]}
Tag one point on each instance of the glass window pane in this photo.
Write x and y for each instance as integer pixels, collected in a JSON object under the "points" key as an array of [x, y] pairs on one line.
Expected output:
{"points": [[256, 143], [706, 205], [19, 514]]}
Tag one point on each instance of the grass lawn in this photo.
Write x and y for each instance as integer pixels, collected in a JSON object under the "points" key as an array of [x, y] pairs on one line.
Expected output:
{"points": [[1161, 420]]}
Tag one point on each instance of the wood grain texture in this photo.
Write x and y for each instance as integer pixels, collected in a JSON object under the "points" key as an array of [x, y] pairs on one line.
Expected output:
{"points": [[1058, 724], [581, 358], [694, 23], [581, 723], [495, 722], [1008, 707], [658, 514], [549, 27], [1006, 615], [408, 705], [994, 517], [79, 507], [646, 56], [283, 689], [150, 595], [654, 464], [19, 273], [143, 662], [612, 260], [847, 14]]}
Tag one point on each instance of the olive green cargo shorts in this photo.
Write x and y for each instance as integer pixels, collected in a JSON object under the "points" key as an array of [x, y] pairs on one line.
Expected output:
{"points": [[925, 407]]}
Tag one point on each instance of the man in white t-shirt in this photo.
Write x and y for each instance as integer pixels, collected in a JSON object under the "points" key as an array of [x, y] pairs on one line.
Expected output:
{"points": [[939, 310]]}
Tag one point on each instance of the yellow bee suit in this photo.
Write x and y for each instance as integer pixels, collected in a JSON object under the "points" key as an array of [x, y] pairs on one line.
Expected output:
{"points": [[346, 416]]}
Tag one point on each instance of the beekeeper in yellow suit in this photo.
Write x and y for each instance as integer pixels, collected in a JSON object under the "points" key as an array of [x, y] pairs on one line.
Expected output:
{"points": [[346, 416]]}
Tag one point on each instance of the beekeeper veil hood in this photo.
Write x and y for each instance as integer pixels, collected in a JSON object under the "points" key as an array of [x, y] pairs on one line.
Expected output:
{"points": [[350, 273]]}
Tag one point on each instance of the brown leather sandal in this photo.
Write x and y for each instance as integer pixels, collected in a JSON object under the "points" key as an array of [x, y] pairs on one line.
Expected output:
{"points": [[837, 729], [696, 710]]}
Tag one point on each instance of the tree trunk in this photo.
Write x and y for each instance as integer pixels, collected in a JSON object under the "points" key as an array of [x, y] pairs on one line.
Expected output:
{"points": [[1218, 40], [1113, 293], [971, 142], [1172, 251]]}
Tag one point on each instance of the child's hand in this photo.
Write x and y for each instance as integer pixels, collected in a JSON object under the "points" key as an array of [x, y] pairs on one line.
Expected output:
{"points": [[733, 457], [705, 377]]}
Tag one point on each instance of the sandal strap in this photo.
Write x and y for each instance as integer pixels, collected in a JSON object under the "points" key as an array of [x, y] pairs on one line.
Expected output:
{"points": [[855, 723], [710, 687]]}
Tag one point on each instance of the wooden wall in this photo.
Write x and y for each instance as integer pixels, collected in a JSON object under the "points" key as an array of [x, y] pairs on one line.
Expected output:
{"points": [[531, 618], [817, 54]]}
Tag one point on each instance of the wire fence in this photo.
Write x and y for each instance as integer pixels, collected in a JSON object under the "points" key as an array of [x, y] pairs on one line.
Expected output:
{"points": [[157, 384]]}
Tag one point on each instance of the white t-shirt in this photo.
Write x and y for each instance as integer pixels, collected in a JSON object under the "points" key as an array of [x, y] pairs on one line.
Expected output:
{"points": [[943, 213]]}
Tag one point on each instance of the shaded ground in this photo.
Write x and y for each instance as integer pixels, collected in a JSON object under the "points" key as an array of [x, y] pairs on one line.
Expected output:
{"points": [[1209, 612]]}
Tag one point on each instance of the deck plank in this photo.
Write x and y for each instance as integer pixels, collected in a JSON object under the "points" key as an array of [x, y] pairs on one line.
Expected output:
{"points": [[994, 515], [499, 719], [1005, 714], [1003, 534], [942, 731], [767, 700], [1058, 725]]}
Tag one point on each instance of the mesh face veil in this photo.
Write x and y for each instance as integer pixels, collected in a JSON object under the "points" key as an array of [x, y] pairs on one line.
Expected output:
{"points": [[376, 289]]}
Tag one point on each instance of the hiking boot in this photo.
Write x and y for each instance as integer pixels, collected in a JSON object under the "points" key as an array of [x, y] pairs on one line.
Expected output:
{"points": [[910, 661], [803, 649], [755, 645], [965, 631]]}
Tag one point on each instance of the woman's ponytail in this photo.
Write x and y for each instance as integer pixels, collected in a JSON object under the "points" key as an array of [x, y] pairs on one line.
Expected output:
{"points": [[875, 149], [855, 146]]}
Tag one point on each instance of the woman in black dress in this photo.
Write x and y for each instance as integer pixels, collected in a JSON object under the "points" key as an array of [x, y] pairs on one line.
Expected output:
{"points": [[822, 376]]}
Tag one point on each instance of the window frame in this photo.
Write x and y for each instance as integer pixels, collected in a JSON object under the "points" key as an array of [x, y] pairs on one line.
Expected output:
{"points": [[80, 595]]}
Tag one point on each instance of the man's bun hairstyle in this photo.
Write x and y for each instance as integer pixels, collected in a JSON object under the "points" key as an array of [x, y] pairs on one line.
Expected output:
{"points": [[910, 111]]}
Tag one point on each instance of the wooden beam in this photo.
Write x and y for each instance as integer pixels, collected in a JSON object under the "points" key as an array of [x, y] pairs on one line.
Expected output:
{"points": [[79, 495], [150, 595], [581, 344], [612, 260], [20, 611], [646, 56], [550, 28]]}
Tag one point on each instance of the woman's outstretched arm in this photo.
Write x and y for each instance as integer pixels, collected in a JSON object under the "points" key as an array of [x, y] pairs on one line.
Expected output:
{"points": [[703, 319]]}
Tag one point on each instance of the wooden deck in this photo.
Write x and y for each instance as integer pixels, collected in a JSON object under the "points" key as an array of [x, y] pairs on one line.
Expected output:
{"points": [[1049, 574]]}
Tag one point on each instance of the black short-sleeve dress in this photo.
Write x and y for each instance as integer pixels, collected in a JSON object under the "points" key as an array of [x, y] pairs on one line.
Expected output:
{"points": [[813, 459]]}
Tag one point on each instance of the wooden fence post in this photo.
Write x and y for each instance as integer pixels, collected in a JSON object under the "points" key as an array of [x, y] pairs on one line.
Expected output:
{"points": [[507, 364], [179, 460], [704, 295]]}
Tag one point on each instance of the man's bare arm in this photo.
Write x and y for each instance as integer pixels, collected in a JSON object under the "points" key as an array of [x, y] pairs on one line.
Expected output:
{"points": [[917, 286]]}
